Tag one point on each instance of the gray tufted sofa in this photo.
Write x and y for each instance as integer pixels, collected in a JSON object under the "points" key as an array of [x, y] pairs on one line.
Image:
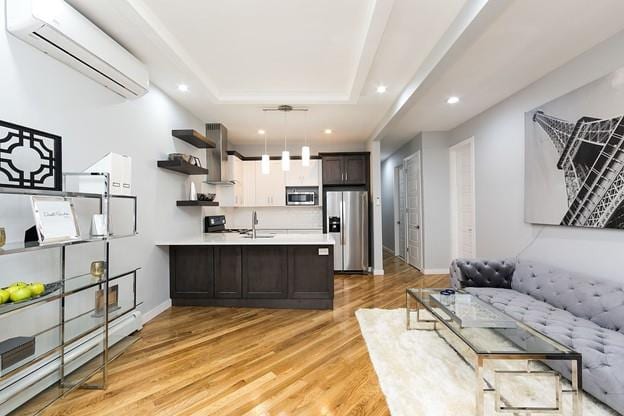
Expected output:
{"points": [[583, 313]]}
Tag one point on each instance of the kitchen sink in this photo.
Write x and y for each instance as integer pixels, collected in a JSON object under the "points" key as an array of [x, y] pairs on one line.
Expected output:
{"points": [[259, 236]]}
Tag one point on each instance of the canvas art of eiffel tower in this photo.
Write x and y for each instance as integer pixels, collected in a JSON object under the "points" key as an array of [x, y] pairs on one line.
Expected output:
{"points": [[591, 156]]}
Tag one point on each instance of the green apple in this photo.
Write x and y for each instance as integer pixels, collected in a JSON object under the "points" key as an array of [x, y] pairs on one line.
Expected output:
{"points": [[12, 289], [36, 288], [23, 293], [4, 296]]}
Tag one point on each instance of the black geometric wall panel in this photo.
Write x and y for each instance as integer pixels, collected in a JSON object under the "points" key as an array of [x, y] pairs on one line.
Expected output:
{"points": [[29, 158]]}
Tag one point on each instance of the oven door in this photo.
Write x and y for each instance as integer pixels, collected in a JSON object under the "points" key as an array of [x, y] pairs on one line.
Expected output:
{"points": [[301, 198]]}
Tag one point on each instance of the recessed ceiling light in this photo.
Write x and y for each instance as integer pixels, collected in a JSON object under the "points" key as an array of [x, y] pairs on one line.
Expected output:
{"points": [[381, 89], [328, 131], [183, 87], [452, 100], [260, 131]]}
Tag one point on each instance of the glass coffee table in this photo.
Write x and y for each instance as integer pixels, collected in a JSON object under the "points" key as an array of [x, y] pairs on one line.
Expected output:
{"points": [[482, 334]]}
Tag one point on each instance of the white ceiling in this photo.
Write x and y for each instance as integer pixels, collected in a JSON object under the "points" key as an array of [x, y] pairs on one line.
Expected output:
{"points": [[508, 50], [238, 56], [283, 48]]}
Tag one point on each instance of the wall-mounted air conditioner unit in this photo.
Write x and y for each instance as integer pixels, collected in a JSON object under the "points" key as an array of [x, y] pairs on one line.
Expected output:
{"points": [[57, 29]]}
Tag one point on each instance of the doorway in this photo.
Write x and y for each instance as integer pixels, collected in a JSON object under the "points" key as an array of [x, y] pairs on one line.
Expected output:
{"points": [[413, 210], [463, 206]]}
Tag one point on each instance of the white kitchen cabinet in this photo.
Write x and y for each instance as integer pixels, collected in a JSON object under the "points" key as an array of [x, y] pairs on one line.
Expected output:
{"points": [[300, 175], [236, 174], [248, 183], [232, 195], [271, 188]]}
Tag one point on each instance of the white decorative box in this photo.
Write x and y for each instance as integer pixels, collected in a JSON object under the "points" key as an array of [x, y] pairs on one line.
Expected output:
{"points": [[120, 169]]}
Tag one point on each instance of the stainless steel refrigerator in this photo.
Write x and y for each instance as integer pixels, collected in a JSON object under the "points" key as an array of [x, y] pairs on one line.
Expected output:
{"points": [[347, 222]]}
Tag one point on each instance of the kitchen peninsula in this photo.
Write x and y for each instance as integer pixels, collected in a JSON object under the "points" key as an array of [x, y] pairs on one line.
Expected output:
{"points": [[269, 271]]}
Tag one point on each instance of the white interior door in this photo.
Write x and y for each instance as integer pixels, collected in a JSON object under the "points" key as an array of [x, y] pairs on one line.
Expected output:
{"points": [[413, 210], [463, 200], [401, 220]]}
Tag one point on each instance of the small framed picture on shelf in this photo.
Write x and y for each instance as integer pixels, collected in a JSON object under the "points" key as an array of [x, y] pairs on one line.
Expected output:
{"points": [[55, 219], [113, 300]]}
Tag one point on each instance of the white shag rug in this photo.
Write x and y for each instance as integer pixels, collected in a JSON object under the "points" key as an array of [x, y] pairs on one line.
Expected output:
{"points": [[421, 375]]}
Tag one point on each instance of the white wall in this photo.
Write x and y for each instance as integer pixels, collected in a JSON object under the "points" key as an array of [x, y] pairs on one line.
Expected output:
{"points": [[42, 93], [499, 151], [387, 187], [436, 201], [435, 196], [375, 191]]}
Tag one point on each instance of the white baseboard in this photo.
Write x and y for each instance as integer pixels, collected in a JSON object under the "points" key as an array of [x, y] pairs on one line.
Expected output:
{"points": [[378, 272], [149, 315], [388, 249], [436, 271]]}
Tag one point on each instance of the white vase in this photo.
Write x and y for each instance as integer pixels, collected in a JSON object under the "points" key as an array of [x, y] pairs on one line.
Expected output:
{"points": [[193, 192], [98, 225]]}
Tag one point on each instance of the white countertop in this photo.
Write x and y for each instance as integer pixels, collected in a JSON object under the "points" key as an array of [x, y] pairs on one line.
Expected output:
{"points": [[225, 239]]}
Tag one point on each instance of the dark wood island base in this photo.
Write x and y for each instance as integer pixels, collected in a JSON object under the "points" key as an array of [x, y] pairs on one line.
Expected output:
{"points": [[255, 276]]}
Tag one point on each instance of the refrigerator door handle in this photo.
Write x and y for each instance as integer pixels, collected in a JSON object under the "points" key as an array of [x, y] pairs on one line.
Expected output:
{"points": [[365, 211], [342, 225]]}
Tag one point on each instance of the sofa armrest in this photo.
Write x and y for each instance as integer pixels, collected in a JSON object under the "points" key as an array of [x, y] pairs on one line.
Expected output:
{"points": [[482, 273]]}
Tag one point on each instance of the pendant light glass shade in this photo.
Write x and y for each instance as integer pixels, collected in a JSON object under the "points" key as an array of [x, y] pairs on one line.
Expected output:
{"points": [[265, 164], [285, 160], [305, 156]]}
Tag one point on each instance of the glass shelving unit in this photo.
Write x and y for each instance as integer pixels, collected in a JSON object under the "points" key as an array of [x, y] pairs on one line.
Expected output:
{"points": [[76, 349]]}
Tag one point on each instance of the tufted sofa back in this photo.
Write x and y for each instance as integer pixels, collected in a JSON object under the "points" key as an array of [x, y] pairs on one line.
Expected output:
{"points": [[482, 273], [599, 301]]}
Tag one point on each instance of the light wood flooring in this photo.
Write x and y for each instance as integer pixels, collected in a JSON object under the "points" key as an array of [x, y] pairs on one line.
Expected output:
{"points": [[239, 361]]}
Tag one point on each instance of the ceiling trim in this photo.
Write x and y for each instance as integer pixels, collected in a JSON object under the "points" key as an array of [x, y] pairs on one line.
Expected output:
{"points": [[170, 45], [379, 14], [468, 22], [377, 19]]}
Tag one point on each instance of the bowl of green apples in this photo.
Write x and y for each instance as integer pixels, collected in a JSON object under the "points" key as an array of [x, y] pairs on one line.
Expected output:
{"points": [[22, 292]]}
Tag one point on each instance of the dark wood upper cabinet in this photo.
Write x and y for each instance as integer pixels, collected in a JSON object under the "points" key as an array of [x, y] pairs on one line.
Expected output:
{"points": [[228, 277], [356, 172], [265, 272], [333, 170], [350, 169], [192, 271]]}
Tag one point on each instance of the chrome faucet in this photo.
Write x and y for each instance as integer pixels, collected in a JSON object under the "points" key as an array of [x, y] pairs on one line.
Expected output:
{"points": [[254, 222]]}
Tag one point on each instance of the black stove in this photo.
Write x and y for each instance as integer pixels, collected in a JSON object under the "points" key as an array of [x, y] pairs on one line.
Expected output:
{"points": [[216, 224]]}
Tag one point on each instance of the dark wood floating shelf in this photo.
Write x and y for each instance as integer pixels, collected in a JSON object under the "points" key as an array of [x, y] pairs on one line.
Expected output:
{"points": [[197, 203], [182, 167], [195, 138]]}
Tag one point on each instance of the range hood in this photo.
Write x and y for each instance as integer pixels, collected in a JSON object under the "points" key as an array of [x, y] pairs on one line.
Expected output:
{"points": [[217, 158]]}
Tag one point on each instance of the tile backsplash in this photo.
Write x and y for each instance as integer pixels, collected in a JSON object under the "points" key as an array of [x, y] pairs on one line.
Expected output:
{"points": [[272, 217]]}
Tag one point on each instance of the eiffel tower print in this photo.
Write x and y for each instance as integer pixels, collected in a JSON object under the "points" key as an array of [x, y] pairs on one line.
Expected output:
{"points": [[591, 156]]}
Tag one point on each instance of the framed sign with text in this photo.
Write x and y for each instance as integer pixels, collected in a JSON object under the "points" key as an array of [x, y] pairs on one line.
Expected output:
{"points": [[55, 219]]}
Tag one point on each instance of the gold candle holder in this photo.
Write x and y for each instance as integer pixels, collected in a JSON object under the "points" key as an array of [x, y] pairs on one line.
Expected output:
{"points": [[97, 269]]}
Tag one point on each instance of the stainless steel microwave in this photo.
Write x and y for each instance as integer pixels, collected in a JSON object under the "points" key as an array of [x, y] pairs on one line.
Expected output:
{"points": [[302, 196]]}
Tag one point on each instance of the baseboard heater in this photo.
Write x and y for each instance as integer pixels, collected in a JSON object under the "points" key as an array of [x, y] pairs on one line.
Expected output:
{"points": [[23, 386]]}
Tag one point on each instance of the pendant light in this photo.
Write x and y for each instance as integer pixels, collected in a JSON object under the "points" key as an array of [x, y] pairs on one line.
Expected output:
{"points": [[305, 150], [265, 164], [286, 153]]}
